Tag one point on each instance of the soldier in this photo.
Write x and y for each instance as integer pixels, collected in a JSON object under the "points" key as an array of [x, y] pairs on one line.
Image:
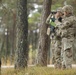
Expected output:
{"points": [[57, 44], [56, 53], [68, 34], [51, 31]]}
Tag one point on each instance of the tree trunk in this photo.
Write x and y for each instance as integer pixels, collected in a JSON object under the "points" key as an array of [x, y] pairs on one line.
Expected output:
{"points": [[1, 48], [44, 39], [22, 36], [0, 66], [13, 36]]}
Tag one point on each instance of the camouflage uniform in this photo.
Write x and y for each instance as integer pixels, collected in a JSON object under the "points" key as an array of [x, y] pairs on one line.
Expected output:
{"points": [[56, 44], [68, 32], [58, 41], [58, 48], [53, 41]]}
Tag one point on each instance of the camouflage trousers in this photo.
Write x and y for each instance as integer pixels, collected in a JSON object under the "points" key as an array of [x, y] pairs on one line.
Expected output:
{"points": [[58, 54], [67, 53], [53, 50]]}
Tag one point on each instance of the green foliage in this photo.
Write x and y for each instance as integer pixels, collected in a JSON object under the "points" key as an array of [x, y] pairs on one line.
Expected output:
{"points": [[54, 7], [34, 20], [7, 22], [56, 4]]}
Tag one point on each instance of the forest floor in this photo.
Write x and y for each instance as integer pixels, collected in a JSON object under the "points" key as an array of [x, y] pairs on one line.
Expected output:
{"points": [[38, 71], [12, 66], [32, 70]]}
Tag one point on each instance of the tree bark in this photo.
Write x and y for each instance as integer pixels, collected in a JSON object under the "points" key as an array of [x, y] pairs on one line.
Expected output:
{"points": [[1, 48], [44, 39], [22, 36], [0, 66]]}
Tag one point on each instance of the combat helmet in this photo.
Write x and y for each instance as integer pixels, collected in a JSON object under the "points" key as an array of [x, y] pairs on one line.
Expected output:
{"points": [[68, 8], [60, 9]]}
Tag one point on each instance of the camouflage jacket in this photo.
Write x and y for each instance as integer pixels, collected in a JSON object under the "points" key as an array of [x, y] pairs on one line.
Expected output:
{"points": [[68, 27], [57, 29]]}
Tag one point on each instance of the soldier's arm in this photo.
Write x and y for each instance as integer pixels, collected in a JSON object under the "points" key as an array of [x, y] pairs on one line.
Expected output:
{"points": [[66, 24], [48, 19]]}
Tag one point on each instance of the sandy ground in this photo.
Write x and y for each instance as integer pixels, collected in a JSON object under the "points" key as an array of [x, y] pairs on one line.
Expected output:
{"points": [[12, 66]]}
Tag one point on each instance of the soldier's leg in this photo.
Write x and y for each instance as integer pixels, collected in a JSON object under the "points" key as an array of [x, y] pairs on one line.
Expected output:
{"points": [[63, 59], [58, 58], [63, 54], [53, 56], [68, 58], [53, 51], [58, 55], [67, 52]]}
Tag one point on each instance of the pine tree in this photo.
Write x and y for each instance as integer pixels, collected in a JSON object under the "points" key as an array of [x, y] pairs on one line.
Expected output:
{"points": [[22, 36], [44, 39]]}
